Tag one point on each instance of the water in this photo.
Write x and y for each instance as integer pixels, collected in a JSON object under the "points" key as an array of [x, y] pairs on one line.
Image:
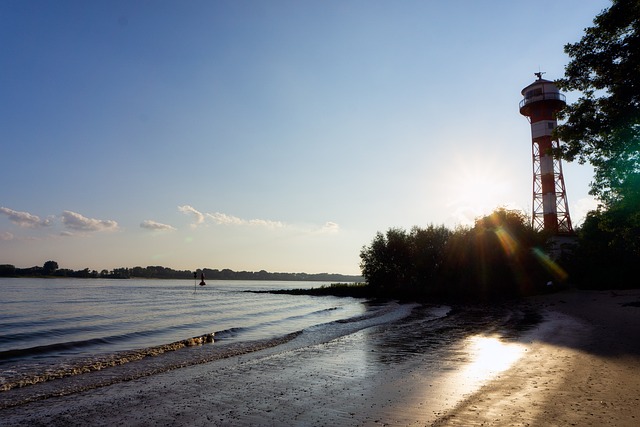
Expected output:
{"points": [[60, 327], [63, 336]]}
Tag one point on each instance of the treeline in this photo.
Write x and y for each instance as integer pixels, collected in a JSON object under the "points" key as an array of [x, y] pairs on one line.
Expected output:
{"points": [[227, 274], [500, 256], [158, 272], [51, 269]]}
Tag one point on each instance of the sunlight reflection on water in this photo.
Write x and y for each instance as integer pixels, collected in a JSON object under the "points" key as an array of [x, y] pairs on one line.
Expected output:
{"points": [[484, 358], [481, 358], [489, 356]]}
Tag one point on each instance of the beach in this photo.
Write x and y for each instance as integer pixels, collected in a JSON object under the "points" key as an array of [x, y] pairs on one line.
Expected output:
{"points": [[566, 358], [585, 372]]}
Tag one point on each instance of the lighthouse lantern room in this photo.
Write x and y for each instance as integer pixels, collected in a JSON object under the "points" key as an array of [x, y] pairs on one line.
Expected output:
{"points": [[542, 100]]}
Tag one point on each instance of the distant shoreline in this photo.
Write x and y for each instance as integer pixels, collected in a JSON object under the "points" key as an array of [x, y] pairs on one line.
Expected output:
{"points": [[50, 270]]}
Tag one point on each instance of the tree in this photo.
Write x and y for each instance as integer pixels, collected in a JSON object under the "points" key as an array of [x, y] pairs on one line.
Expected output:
{"points": [[495, 258], [428, 253], [401, 260], [386, 262], [603, 126], [49, 268], [7, 270], [605, 259]]}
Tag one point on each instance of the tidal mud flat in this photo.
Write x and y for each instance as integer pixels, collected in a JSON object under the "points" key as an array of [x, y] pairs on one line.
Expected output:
{"points": [[559, 359]]}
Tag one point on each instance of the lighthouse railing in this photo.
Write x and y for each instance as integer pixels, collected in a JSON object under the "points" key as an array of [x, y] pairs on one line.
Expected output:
{"points": [[543, 97]]}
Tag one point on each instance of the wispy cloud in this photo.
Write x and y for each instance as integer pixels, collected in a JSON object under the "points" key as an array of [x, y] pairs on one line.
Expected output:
{"points": [[224, 219], [467, 215], [6, 236], [464, 215], [197, 215], [156, 226], [25, 219], [330, 227], [581, 208], [75, 221]]}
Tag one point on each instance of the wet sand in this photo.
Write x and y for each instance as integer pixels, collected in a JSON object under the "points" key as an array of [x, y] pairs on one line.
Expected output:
{"points": [[477, 366], [585, 372]]}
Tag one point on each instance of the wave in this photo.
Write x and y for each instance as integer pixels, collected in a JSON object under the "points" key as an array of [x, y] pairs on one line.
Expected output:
{"points": [[85, 365], [271, 325], [75, 346], [28, 323], [129, 365], [230, 333], [58, 332], [51, 348]]}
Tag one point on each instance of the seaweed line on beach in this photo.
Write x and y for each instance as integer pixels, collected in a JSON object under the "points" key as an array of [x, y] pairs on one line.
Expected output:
{"points": [[86, 365]]}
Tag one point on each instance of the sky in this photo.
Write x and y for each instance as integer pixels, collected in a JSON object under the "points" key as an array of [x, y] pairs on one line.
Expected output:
{"points": [[266, 135]]}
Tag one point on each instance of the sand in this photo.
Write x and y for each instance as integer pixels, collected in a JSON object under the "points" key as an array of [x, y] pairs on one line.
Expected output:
{"points": [[580, 366], [587, 372]]}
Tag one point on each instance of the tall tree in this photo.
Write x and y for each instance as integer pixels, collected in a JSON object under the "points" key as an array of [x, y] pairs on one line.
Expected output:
{"points": [[49, 268], [386, 263], [603, 126]]}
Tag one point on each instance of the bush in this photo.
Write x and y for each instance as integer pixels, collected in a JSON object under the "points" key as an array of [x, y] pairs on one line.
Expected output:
{"points": [[500, 256]]}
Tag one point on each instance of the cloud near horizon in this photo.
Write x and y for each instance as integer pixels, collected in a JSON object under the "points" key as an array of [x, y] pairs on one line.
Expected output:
{"points": [[224, 219], [75, 221], [156, 226], [330, 227], [25, 219]]}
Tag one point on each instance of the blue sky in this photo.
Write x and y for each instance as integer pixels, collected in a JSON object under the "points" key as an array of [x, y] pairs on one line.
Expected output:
{"points": [[276, 135]]}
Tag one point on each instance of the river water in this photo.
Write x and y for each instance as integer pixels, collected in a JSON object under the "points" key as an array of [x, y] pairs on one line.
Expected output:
{"points": [[63, 336], [57, 327]]}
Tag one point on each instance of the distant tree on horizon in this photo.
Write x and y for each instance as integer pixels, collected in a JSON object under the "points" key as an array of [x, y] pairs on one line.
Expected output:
{"points": [[49, 268]]}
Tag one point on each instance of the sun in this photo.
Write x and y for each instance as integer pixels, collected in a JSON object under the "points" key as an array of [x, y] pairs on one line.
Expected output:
{"points": [[476, 189]]}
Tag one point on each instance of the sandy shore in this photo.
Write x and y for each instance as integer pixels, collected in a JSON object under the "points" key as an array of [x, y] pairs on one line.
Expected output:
{"points": [[580, 366], [586, 372]]}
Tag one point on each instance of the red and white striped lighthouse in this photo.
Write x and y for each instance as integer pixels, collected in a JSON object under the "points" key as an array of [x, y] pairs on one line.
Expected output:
{"points": [[542, 100]]}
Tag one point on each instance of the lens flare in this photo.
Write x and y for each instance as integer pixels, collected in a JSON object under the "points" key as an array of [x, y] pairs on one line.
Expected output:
{"points": [[509, 244], [550, 265]]}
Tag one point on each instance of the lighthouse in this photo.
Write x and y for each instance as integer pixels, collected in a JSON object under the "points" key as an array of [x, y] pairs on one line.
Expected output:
{"points": [[542, 100]]}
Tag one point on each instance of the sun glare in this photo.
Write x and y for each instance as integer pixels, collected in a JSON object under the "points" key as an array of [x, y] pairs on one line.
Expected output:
{"points": [[485, 357], [490, 356], [476, 190]]}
